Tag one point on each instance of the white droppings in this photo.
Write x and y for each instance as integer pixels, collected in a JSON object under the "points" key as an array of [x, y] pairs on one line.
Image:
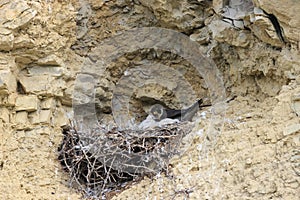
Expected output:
{"points": [[203, 114], [200, 132]]}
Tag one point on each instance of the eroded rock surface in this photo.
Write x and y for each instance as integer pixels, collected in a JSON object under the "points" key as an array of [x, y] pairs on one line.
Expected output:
{"points": [[45, 44]]}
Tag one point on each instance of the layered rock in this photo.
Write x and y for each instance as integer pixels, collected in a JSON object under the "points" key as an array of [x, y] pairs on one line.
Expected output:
{"points": [[43, 49]]}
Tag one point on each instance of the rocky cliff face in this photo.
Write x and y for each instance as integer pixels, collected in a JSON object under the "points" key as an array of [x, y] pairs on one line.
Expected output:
{"points": [[254, 45]]}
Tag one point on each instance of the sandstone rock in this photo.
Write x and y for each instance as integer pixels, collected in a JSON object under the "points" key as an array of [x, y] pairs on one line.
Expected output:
{"points": [[5, 31], [53, 71], [34, 118], [4, 115], [28, 103], [15, 14], [8, 83], [24, 59], [269, 89], [8, 100], [11, 99], [60, 117], [202, 37], [21, 118], [6, 41], [21, 121], [296, 104], [23, 41], [218, 5], [48, 103], [263, 28], [83, 17], [45, 116], [291, 129], [243, 13], [287, 13], [67, 98], [295, 160], [84, 89], [5, 62], [51, 60], [246, 173], [224, 32], [40, 117], [44, 85], [175, 14], [237, 9], [36, 83], [97, 4]]}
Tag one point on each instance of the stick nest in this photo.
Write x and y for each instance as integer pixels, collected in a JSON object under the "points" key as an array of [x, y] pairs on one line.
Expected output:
{"points": [[102, 163]]}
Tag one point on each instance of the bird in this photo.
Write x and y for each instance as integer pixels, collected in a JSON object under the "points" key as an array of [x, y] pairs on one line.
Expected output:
{"points": [[159, 112]]}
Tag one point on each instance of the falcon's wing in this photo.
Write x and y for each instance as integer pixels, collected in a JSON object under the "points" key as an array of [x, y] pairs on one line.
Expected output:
{"points": [[173, 114]]}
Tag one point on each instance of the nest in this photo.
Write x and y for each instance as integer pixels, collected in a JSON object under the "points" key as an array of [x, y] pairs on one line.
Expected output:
{"points": [[101, 163]]}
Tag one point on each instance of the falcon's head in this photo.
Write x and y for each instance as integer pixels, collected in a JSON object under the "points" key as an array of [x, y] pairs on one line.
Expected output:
{"points": [[158, 112]]}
